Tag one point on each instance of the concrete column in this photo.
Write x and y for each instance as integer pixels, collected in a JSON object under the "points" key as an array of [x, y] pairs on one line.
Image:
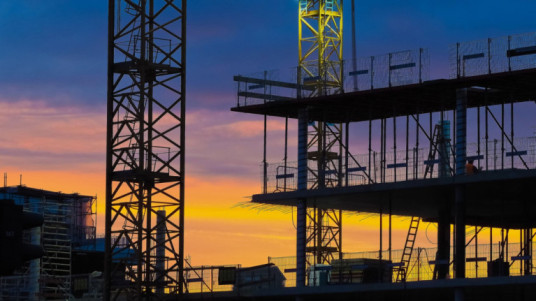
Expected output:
{"points": [[443, 241], [443, 225], [444, 149], [527, 252], [459, 218], [459, 198], [461, 130], [459, 294], [34, 269], [303, 122], [302, 204]]}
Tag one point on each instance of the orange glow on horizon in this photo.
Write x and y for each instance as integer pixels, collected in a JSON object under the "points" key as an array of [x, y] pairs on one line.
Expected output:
{"points": [[63, 150], [218, 230]]}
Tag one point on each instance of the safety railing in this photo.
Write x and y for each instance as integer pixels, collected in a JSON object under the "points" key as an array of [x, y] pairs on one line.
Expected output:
{"points": [[367, 73], [15, 287], [388, 70], [493, 55], [414, 164], [473, 58]]}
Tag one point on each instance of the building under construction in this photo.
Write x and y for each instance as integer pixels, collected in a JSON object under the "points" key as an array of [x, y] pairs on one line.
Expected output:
{"points": [[71, 250], [377, 136], [374, 135]]}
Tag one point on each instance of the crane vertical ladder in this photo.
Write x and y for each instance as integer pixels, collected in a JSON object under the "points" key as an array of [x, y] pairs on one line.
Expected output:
{"points": [[303, 5], [329, 5]]}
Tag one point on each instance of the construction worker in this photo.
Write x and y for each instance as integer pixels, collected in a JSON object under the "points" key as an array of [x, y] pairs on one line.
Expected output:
{"points": [[470, 169]]}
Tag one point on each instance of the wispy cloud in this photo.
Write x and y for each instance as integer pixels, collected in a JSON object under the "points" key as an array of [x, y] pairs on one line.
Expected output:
{"points": [[39, 136]]}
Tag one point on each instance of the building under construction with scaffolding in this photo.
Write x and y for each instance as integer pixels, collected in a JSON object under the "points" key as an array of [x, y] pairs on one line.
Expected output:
{"points": [[374, 135], [68, 238], [377, 136]]}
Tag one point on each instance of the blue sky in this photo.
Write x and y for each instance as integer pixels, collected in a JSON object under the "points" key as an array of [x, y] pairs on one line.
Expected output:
{"points": [[56, 50], [53, 95]]}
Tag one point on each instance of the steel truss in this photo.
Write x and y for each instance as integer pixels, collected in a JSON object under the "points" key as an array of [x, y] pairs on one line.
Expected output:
{"points": [[324, 154], [324, 245], [145, 149], [320, 45], [320, 69]]}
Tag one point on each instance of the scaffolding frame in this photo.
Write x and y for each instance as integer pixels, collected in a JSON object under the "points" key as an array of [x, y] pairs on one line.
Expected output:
{"points": [[56, 237], [68, 223]]}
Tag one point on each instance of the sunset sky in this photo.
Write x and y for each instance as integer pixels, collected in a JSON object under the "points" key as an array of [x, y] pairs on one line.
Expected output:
{"points": [[53, 101]]}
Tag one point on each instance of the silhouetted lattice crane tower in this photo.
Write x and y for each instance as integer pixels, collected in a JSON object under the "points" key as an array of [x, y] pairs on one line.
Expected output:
{"points": [[145, 148]]}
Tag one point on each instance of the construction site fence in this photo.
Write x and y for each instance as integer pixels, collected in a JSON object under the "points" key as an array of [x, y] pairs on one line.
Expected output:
{"points": [[15, 288], [401, 165], [84, 287], [205, 279], [421, 265]]}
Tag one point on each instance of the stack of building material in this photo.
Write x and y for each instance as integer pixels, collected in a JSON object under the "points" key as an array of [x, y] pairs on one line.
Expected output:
{"points": [[266, 276], [361, 270]]}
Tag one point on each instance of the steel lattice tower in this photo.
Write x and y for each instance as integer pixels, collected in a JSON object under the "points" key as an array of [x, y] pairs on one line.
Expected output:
{"points": [[145, 148], [320, 45], [321, 67]]}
